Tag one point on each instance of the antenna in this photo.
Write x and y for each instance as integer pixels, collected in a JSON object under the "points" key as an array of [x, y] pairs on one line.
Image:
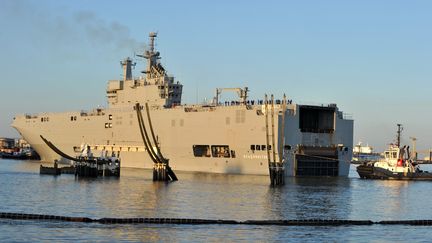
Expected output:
{"points": [[399, 132], [196, 97], [152, 36]]}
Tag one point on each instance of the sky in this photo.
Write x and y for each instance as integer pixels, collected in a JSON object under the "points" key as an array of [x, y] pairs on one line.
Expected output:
{"points": [[372, 58]]}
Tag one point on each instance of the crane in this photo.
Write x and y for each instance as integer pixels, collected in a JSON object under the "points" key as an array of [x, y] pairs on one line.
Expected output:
{"points": [[242, 93], [414, 143]]}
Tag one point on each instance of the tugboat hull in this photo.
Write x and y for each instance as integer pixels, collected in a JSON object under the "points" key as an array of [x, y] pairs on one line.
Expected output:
{"points": [[368, 171]]}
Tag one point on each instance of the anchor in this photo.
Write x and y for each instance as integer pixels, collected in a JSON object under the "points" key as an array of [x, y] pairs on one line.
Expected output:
{"points": [[161, 169]]}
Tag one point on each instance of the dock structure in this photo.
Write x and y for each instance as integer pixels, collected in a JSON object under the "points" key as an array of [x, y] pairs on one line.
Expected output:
{"points": [[85, 165], [276, 164], [161, 169], [94, 167]]}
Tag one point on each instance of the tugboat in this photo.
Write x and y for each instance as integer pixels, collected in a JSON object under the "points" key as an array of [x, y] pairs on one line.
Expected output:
{"points": [[396, 164]]}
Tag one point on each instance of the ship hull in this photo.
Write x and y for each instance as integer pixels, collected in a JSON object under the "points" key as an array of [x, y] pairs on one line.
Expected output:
{"points": [[368, 171], [179, 131]]}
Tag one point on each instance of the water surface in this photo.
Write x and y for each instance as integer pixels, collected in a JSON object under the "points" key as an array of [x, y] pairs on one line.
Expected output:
{"points": [[208, 196]]}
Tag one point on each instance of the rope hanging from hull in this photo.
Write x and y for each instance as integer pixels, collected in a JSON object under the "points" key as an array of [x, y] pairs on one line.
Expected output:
{"points": [[161, 169], [276, 168], [59, 152]]}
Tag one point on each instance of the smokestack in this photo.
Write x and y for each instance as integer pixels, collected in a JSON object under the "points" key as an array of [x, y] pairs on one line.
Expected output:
{"points": [[127, 68]]}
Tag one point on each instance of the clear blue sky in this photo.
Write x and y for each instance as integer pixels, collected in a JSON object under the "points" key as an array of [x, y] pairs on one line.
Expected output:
{"points": [[372, 58]]}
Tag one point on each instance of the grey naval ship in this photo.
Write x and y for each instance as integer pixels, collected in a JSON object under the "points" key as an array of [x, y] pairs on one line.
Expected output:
{"points": [[233, 137]]}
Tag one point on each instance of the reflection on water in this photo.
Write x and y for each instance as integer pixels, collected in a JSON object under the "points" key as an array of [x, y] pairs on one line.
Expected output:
{"points": [[200, 195], [307, 198]]}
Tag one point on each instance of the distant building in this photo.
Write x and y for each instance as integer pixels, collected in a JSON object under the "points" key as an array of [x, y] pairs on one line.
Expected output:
{"points": [[7, 145]]}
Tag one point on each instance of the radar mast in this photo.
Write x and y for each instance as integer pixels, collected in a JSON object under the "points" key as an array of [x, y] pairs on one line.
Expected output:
{"points": [[154, 68]]}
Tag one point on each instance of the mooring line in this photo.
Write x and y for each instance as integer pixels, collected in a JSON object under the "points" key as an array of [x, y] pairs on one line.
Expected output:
{"points": [[300, 222]]}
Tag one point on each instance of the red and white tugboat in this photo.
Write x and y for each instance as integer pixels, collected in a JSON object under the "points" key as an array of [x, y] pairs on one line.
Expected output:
{"points": [[396, 164]]}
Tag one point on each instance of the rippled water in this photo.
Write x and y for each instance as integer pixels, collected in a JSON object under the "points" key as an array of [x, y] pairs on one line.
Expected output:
{"points": [[208, 196]]}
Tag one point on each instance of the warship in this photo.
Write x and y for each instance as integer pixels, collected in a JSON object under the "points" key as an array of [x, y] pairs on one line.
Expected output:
{"points": [[242, 136]]}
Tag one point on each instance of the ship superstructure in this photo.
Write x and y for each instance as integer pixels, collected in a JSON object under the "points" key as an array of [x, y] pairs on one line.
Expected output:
{"points": [[218, 137]]}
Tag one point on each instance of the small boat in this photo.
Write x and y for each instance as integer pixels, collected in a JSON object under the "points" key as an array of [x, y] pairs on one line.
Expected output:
{"points": [[396, 164], [22, 154], [47, 170], [14, 155]]}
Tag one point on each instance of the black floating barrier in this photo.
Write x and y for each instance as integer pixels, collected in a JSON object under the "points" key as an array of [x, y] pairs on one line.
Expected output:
{"points": [[23, 216], [304, 222], [309, 222], [407, 222], [164, 221]]}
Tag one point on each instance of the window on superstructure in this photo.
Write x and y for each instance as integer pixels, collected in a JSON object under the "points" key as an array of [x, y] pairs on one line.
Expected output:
{"points": [[257, 147], [201, 150], [220, 151], [252, 147], [263, 147], [109, 117]]}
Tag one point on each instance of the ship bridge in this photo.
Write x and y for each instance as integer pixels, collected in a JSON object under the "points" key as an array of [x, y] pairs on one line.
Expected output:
{"points": [[156, 87]]}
